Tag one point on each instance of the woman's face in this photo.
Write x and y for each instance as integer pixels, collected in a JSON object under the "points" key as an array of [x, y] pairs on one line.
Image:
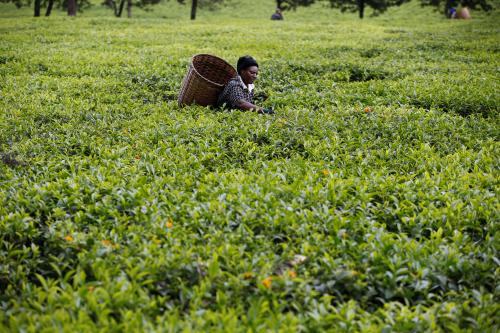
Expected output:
{"points": [[248, 75]]}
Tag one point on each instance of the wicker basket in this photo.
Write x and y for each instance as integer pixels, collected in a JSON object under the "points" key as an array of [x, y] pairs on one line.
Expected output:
{"points": [[205, 79]]}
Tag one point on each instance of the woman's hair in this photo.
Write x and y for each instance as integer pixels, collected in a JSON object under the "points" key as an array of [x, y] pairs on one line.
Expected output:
{"points": [[245, 62]]}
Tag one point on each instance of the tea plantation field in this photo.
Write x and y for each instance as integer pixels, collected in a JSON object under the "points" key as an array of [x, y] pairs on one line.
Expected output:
{"points": [[367, 203]]}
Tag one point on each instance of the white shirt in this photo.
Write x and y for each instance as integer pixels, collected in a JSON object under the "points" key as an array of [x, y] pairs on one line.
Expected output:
{"points": [[250, 87]]}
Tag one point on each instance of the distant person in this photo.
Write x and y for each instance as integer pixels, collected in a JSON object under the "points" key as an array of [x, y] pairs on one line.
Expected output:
{"points": [[463, 13], [452, 13], [239, 91], [277, 16]]}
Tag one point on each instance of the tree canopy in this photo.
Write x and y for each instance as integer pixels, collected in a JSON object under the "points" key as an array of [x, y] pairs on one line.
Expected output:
{"points": [[211, 4], [118, 6], [70, 5], [293, 4], [380, 6], [445, 5]]}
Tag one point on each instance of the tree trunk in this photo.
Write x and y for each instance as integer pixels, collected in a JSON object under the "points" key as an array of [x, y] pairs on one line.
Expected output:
{"points": [[129, 8], [447, 6], [71, 7], [120, 9], [49, 7], [361, 7], [278, 4], [194, 5], [38, 3], [112, 4]]}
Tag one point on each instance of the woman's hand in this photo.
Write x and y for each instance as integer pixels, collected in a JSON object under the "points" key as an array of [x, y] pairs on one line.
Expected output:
{"points": [[244, 105]]}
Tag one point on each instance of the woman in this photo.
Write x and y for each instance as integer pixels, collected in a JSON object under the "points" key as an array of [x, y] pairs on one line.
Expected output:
{"points": [[238, 93]]}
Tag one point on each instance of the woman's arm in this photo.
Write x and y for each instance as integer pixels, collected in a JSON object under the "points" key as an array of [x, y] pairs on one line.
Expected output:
{"points": [[247, 106]]}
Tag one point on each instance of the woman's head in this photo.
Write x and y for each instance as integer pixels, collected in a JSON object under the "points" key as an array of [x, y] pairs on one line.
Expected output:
{"points": [[248, 69]]}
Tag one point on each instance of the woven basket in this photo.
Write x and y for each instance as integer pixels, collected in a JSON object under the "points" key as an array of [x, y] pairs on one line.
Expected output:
{"points": [[205, 80]]}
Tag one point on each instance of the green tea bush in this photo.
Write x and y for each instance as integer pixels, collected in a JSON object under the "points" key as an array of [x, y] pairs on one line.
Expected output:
{"points": [[367, 203]]}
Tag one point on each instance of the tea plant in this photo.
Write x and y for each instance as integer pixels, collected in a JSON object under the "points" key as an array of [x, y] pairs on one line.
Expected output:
{"points": [[369, 202]]}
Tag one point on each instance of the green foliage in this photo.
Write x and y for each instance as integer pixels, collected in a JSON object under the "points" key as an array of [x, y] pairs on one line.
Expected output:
{"points": [[61, 4], [293, 4], [17, 3], [378, 6], [210, 4], [444, 5], [367, 203]]}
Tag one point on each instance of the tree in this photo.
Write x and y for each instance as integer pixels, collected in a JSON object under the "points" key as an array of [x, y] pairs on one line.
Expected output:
{"points": [[378, 6], [118, 6], [446, 5], [37, 7], [72, 7], [49, 7], [293, 4], [194, 6], [63, 4], [210, 4], [17, 3]]}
